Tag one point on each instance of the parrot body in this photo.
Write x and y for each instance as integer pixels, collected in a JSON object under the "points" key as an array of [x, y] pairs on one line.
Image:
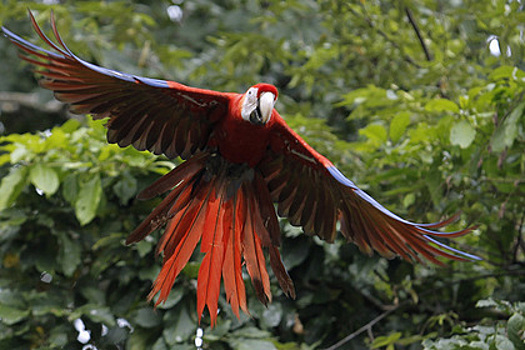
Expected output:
{"points": [[241, 159]]}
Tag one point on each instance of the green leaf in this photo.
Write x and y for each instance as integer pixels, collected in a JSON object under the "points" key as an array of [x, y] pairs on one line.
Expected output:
{"points": [[251, 344], [503, 343], [5, 158], [507, 72], [10, 315], [375, 133], [507, 132], [88, 200], [486, 303], [180, 329], [44, 178], [462, 134], [125, 188], [20, 153], [386, 340], [97, 313], [441, 105], [70, 188], [147, 317], [409, 199], [174, 297], [69, 256], [516, 331], [398, 125], [11, 186]]}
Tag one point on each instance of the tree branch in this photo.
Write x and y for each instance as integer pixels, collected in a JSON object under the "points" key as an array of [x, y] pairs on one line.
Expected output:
{"points": [[418, 33], [366, 327], [372, 25]]}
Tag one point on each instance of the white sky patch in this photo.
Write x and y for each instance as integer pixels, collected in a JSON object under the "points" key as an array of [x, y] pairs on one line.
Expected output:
{"points": [[46, 277], [494, 45], [123, 323], [105, 330], [89, 347], [83, 334], [198, 338], [175, 13]]}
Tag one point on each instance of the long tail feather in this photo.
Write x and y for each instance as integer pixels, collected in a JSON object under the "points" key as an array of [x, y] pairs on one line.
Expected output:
{"points": [[191, 228], [230, 211], [209, 280], [253, 254], [231, 269]]}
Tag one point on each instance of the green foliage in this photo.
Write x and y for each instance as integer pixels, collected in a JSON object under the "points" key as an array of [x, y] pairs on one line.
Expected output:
{"points": [[428, 134], [509, 334]]}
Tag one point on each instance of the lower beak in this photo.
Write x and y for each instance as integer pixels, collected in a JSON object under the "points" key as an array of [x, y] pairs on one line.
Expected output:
{"points": [[256, 117]]}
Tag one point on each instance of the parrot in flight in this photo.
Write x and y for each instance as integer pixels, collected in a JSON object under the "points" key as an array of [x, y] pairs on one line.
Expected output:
{"points": [[241, 158]]}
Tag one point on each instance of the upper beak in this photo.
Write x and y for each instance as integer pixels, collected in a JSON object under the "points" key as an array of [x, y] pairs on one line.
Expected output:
{"points": [[266, 103], [262, 113]]}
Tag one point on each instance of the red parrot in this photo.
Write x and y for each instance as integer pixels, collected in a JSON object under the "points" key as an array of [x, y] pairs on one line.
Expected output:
{"points": [[240, 159]]}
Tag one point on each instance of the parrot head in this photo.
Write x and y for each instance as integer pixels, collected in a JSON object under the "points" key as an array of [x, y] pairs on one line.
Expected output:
{"points": [[258, 103]]}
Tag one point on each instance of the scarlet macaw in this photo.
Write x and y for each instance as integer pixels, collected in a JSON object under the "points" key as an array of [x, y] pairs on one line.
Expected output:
{"points": [[241, 158]]}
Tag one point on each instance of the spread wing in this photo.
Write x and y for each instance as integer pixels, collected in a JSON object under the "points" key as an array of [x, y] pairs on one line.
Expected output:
{"points": [[156, 115], [311, 192]]}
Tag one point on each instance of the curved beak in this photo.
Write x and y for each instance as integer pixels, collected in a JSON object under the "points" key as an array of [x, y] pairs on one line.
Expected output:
{"points": [[263, 111], [266, 103]]}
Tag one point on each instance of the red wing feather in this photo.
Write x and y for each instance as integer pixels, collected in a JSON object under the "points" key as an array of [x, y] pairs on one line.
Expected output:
{"points": [[313, 193], [167, 182], [279, 270], [138, 108]]}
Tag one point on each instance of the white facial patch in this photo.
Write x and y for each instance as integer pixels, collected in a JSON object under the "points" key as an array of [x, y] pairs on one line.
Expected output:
{"points": [[250, 103]]}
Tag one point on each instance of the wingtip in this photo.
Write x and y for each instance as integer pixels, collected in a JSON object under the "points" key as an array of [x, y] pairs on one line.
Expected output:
{"points": [[456, 253]]}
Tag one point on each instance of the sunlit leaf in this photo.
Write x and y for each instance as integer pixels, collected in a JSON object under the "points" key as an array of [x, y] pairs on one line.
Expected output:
{"points": [[376, 133], [441, 105], [88, 200], [44, 178], [462, 134], [398, 125], [11, 186]]}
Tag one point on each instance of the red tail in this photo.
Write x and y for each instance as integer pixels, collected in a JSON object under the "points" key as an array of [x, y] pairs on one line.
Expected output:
{"points": [[225, 207]]}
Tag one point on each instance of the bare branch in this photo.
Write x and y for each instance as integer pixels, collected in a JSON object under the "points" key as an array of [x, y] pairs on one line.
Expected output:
{"points": [[366, 327], [418, 33], [372, 25]]}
